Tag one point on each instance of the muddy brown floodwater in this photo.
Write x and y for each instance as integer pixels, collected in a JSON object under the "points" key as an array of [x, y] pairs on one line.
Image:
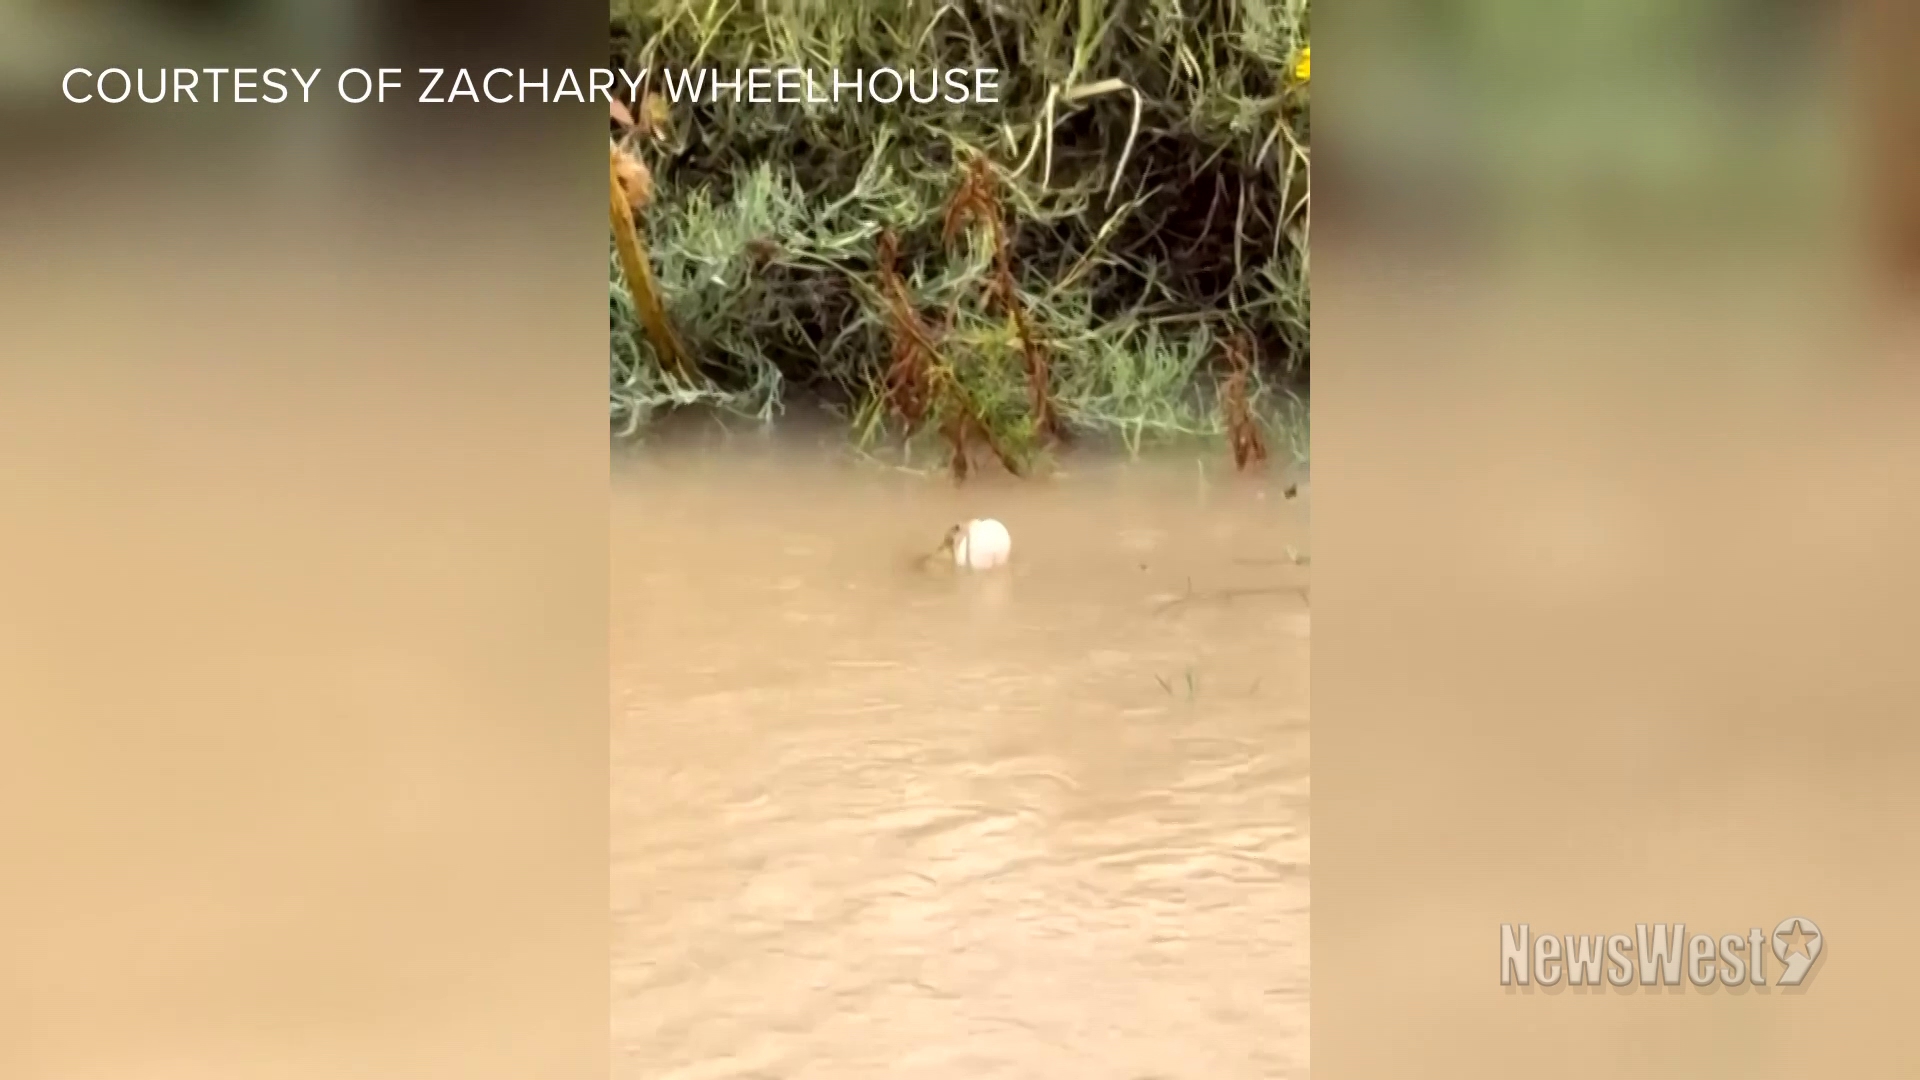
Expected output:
{"points": [[868, 821]]}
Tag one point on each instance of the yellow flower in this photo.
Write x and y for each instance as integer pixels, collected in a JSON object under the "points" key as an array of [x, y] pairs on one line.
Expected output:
{"points": [[1303, 68]]}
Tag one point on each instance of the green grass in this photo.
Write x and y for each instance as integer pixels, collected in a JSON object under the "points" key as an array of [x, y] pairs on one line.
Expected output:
{"points": [[1167, 212]]}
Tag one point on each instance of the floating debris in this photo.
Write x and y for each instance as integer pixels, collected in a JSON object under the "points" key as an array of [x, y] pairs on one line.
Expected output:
{"points": [[979, 544]]}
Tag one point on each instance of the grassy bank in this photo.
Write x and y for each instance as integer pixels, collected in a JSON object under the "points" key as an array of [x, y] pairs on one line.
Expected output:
{"points": [[1118, 247]]}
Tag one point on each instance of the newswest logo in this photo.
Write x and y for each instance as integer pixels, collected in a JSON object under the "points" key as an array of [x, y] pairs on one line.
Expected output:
{"points": [[1658, 954]]}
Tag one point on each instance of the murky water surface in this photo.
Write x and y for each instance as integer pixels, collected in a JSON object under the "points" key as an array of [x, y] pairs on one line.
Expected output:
{"points": [[870, 821]]}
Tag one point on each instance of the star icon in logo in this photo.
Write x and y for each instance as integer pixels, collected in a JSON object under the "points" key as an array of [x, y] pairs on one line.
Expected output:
{"points": [[1799, 942], [1796, 943]]}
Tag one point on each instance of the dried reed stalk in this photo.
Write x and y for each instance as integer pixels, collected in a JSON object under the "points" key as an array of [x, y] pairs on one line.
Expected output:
{"points": [[639, 274], [977, 199], [1243, 429], [906, 383], [636, 180], [917, 383]]}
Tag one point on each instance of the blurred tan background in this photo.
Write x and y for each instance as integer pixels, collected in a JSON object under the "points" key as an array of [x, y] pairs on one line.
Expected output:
{"points": [[303, 563], [1617, 457]]}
